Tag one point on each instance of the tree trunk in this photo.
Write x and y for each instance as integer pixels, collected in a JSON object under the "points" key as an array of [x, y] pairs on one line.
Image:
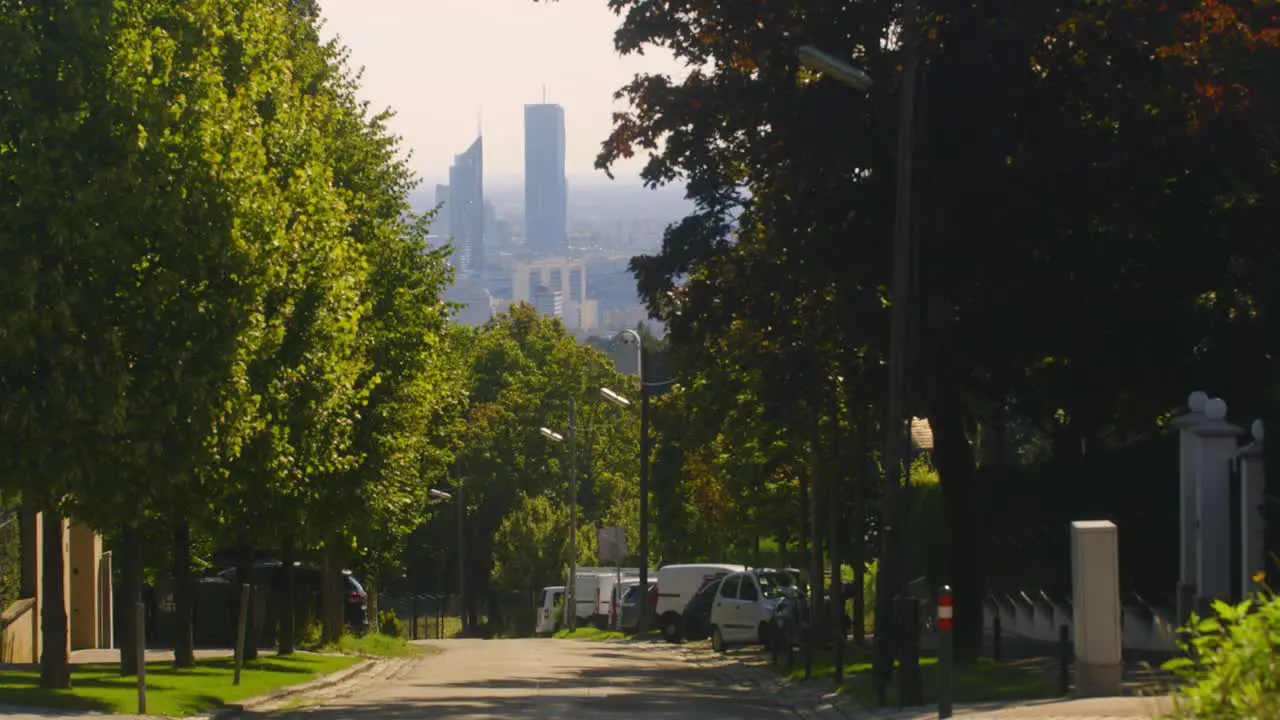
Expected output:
{"points": [[755, 550], [331, 589], [858, 558], [184, 655], [782, 552], [55, 661], [962, 498], [804, 529], [815, 541], [288, 600], [130, 596], [835, 506], [244, 573]]}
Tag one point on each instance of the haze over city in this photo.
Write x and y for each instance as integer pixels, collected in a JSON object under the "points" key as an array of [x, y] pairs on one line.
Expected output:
{"points": [[516, 188]]}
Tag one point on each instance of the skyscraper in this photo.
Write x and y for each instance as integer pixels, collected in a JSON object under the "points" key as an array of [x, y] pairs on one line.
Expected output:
{"points": [[545, 186], [465, 207]]}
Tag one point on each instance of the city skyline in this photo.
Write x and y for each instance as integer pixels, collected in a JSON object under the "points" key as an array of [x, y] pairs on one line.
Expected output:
{"points": [[510, 50]]}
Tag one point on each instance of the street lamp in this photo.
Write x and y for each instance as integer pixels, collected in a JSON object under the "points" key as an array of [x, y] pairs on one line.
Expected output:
{"points": [[615, 398], [642, 622], [571, 598], [896, 444], [440, 494], [815, 59]]}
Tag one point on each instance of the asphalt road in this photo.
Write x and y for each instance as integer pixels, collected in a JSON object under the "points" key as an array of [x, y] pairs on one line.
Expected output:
{"points": [[550, 679]]}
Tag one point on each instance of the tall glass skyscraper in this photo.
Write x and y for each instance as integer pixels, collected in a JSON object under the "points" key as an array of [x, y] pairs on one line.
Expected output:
{"points": [[546, 196], [465, 207]]}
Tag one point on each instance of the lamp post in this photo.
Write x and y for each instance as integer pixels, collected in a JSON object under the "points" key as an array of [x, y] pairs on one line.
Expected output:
{"points": [[642, 622], [893, 510], [571, 600]]}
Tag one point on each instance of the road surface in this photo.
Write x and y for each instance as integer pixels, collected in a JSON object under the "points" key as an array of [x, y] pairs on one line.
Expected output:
{"points": [[561, 679]]}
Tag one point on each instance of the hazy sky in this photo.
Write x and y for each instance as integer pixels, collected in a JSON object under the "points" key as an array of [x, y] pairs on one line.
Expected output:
{"points": [[445, 64]]}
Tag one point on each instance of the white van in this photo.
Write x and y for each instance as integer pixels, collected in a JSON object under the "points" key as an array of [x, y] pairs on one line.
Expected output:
{"points": [[678, 583], [548, 615], [594, 593]]}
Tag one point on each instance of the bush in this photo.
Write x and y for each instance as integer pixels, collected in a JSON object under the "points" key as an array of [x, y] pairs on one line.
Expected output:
{"points": [[311, 634], [389, 624], [1230, 671]]}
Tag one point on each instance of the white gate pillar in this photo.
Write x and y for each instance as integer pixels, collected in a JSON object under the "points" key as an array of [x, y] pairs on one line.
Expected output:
{"points": [[1217, 450], [1252, 526], [1188, 451]]}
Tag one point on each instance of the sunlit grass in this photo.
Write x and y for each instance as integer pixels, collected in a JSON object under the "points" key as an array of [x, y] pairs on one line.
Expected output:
{"points": [[170, 691]]}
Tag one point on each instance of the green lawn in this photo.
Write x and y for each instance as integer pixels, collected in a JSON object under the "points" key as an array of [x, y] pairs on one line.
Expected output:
{"points": [[170, 692], [985, 681], [378, 645], [590, 633]]}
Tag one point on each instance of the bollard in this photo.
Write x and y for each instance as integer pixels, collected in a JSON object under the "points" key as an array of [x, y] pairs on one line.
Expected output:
{"points": [[413, 613], [140, 637], [806, 632], [996, 653], [240, 631], [1064, 658], [946, 650]]}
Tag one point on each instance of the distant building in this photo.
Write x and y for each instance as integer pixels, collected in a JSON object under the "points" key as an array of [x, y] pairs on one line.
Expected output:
{"points": [[440, 225], [534, 282], [466, 208], [546, 194], [476, 302]]}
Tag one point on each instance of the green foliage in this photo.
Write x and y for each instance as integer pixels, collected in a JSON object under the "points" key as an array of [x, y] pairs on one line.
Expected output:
{"points": [[310, 635], [1229, 668], [530, 547], [389, 624]]}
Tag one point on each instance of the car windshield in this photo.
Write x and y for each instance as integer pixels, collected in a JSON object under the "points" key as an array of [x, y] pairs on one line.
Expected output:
{"points": [[354, 584], [771, 584]]}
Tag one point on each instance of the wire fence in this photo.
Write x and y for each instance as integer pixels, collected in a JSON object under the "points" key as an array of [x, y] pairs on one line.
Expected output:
{"points": [[427, 616]]}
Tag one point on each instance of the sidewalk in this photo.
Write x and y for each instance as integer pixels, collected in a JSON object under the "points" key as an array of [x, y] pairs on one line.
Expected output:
{"points": [[1116, 708], [111, 657], [815, 700]]}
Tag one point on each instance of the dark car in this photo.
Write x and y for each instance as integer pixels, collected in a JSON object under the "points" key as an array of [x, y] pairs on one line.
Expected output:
{"points": [[696, 618], [631, 611], [306, 579]]}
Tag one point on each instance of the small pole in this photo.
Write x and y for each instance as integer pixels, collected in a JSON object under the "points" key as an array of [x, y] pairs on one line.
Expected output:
{"points": [[413, 611], [140, 638], [946, 614], [996, 637], [240, 630], [1064, 658]]}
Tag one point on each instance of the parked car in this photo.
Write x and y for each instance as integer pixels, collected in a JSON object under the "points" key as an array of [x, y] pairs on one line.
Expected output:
{"points": [[631, 609], [677, 585], [306, 579], [695, 621], [743, 607]]}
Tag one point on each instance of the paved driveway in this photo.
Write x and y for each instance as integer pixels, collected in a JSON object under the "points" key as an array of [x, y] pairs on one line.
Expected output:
{"points": [[551, 679]]}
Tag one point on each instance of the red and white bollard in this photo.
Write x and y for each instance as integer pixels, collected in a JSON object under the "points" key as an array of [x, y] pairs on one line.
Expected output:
{"points": [[946, 620]]}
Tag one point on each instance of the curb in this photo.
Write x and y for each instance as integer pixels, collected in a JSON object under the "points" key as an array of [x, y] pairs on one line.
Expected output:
{"points": [[229, 712]]}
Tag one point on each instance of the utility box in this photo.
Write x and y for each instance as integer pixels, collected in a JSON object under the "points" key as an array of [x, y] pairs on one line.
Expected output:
{"points": [[1095, 576]]}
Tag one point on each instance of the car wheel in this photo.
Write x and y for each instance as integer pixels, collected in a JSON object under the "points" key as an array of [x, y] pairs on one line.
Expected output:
{"points": [[671, 629], [717, 639]]}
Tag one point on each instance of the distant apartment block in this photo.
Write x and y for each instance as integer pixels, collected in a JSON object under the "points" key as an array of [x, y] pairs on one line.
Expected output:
{"points": [[466, 210], [557, 287], [546, 191]]}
